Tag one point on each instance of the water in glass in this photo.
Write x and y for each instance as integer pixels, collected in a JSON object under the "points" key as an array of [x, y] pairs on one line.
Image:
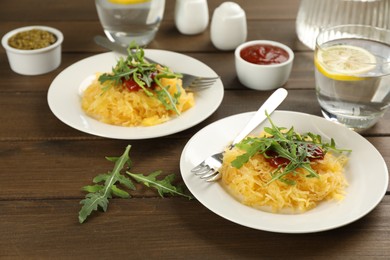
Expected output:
{"points": [[125, 21]]}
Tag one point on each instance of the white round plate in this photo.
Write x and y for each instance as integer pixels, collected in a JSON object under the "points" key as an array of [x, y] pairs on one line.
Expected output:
{"points": [[64, 96], [366, 173]]}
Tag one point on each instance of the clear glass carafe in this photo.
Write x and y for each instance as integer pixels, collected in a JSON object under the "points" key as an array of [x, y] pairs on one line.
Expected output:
{"points": [[315, 14]]}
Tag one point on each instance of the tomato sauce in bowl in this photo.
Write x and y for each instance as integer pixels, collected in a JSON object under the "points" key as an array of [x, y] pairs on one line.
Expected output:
{"points": [[263, 64], [264, 54]]}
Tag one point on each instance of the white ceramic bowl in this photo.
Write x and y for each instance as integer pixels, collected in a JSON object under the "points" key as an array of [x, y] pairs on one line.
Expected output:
{"points": [[34, 62], [263, 77]]}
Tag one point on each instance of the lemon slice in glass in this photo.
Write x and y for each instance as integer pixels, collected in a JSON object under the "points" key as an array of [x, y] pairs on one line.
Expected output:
{"points": [[344, 62]]}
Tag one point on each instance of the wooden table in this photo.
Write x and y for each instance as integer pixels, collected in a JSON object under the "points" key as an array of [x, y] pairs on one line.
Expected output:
{"points": [[44, 163]]}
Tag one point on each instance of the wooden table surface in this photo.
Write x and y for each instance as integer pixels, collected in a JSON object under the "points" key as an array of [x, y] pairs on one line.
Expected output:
{"points": [[44, 163]]}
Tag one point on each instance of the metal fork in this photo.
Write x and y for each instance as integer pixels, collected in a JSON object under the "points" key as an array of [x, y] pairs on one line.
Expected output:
{"points": [[197, 83], [190, 82], [209, 168]]}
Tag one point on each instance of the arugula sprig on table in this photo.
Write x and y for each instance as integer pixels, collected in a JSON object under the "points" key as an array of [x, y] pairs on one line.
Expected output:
{"points": [[106, 185], [297, 148], [144, 74]]}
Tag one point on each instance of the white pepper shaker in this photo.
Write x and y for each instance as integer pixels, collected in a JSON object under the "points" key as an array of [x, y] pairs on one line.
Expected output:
{"points": [[191, 16], [228, 26]]}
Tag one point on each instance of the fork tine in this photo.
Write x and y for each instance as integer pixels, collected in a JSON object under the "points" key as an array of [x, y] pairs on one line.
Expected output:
{"points": [[201, 79], [199, 167], [209, 174], [215, 178], [206, 169], [197, 88], [195, 83], [201, 84]]}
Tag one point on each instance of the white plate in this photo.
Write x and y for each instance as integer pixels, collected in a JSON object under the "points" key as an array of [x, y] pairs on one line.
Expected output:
{"points": [[366, 173], [64, 96]]}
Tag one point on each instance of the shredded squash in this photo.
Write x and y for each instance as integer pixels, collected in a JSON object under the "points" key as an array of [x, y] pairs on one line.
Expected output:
{"points": [[248, 183], [118, 106]]}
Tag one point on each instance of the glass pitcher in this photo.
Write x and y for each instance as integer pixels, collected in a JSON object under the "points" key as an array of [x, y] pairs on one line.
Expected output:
{"points": [[315, 14]]}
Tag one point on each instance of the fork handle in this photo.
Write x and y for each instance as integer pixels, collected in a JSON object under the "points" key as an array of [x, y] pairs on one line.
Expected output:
{"points": [[269, 105]]}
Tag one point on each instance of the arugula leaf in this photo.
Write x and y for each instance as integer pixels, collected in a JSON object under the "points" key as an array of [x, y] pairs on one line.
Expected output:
{"points": [[144, 74], [99, 194], [296, 148], [167, 100], [251, 146], [163, 186], [106, 185]]}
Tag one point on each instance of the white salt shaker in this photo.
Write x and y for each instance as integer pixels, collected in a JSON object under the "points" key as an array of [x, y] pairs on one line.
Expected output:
{"points": [[228, 26], [191, 16]]}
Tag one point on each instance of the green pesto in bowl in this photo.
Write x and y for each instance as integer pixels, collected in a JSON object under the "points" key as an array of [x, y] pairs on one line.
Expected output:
{"points": [[32, 39]]}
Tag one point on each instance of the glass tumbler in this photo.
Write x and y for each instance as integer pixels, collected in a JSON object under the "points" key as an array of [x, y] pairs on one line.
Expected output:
{"points": [[315, 14], [127, 21], [352, 74]]}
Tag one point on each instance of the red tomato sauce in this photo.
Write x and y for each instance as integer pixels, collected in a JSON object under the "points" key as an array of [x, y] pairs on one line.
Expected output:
{"points": [[264, 54], [314, 153], [131, 85]]}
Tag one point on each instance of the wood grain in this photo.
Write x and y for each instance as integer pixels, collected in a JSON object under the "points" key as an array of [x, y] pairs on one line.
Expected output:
{"points": [[60, 168], [171, 229], [44, 163]]}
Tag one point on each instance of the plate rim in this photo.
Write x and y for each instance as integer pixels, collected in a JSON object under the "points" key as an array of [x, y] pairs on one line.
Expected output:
{"points": [[168, 129], [379, 196]]}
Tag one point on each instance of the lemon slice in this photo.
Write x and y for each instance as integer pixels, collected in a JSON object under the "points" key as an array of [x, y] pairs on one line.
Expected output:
{"points": [[344, 62], [128, 2]]}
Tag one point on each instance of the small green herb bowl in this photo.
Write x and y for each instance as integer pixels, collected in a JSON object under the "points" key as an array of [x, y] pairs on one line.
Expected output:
{"points": [[37, 61]]}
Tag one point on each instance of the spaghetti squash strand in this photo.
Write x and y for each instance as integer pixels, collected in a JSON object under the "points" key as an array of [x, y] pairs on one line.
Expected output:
{"points": [[117, 106], [248, 184]]}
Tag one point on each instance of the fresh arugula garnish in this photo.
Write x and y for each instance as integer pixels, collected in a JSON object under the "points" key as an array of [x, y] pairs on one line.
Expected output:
{"points": [[163, 186], [145, 74], [99, 194], [297, 149]]}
